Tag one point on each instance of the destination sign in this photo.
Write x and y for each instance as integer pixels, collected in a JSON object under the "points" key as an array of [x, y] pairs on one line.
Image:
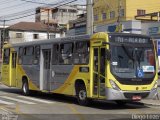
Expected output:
{"points": [[80, 37], [126, 39]]}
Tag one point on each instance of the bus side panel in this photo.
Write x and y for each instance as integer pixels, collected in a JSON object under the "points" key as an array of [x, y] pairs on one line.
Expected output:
{"points": [[59, 76], [30, 73], [33, 73], [67, 84], [19, 75], [5, 75]]}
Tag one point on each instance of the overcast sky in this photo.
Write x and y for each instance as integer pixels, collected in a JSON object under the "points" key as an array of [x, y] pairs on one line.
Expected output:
{"points": [[9, 9]]}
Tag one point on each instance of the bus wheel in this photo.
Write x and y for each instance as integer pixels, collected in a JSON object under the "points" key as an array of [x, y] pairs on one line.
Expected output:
{"points": [[82, 95], [25, 87]]}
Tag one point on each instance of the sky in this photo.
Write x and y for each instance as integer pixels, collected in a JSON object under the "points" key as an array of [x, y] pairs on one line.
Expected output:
{"points": [[11, 10]]}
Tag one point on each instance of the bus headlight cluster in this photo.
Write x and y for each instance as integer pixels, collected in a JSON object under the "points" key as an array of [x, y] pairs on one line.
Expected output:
{"points": [[114, 85], [155, 85]]}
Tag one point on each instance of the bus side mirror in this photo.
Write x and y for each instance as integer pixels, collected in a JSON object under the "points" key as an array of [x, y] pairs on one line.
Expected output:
{"points": [[108, 55]]}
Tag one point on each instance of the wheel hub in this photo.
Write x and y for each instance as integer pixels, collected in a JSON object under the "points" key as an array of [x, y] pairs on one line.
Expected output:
{"points": [[82, 95], [24, 88]]}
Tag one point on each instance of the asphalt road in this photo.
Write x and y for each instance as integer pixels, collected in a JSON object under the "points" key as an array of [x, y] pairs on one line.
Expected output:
{"points": [[40, 106]]}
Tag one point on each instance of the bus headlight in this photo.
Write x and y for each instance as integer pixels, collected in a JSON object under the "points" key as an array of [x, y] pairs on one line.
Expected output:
{"points": [[114, 85], [155, 85]]}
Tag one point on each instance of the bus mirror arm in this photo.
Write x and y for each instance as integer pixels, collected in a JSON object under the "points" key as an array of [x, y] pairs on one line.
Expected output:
{"points": [[106, 43]]}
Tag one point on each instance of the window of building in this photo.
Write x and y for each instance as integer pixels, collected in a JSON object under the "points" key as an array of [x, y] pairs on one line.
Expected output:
{"points": [[104, 16], [121, 12], [18, 35], [72, 11], [54, 15], [112, 14], [81, 53], [6, 56], [141, 12], [63, 10], [35, 36], [66, 53], [52, 36], [95, 17]]}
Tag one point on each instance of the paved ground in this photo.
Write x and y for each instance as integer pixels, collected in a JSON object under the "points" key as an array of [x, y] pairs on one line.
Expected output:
{"points": [[155, 101], [40, 106]]}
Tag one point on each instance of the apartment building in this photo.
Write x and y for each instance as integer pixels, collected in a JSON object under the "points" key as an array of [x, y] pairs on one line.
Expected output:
{"points": [[110, 14]]}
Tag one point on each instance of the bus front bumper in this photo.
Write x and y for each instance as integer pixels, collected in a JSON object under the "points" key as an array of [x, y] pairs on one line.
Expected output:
{"points": [[112, 94]]}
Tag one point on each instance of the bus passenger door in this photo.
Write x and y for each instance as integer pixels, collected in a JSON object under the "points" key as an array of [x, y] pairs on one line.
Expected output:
{"points": [[46, 69], [99, 72], [13, 69]]}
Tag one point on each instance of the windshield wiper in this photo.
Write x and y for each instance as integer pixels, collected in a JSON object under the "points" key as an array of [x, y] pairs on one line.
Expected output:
{"points": [[130, 56], [137, 55]]}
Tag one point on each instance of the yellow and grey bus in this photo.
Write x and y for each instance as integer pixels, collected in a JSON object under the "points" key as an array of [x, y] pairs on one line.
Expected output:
{"points": [[103, 66]]}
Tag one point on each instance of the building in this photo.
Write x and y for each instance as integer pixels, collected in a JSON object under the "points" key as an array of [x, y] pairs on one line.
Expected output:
{"points": [[30, 31], [119, 15], [59, 15], [78, 26]]}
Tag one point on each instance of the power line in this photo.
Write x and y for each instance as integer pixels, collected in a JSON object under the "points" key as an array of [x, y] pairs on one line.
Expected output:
{"points": [[6, 2], [41, 12], [37, 2], [28, 11], [12, 6]]}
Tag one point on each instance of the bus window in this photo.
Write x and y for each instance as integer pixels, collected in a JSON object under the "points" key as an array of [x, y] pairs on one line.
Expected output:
{"points": [[20, 54], [36, 55], [28, 55], [6, 56], [55, 54], [66, 53], [81, 54]]}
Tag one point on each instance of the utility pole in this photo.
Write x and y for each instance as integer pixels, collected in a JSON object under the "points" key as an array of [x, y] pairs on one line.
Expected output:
{"points": [[3, 37], [89, 17], [48, 24], [119, 15]]}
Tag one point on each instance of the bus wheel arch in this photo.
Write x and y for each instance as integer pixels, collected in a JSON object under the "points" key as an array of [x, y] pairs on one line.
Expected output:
{"points": [[81, 92], [25, 85]]}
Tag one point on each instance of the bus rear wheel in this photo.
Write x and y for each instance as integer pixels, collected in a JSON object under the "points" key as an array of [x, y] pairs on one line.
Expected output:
{"points": [[82, 95], [25, 87]]}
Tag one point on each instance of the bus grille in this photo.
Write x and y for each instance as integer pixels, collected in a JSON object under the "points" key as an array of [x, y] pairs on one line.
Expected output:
{"points": [[130, 95]]}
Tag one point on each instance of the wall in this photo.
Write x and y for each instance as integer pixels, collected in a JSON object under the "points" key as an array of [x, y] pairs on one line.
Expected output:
{"points": [[132, 26], [28, 36], [130, 9], [149, 5], [106, 6]]}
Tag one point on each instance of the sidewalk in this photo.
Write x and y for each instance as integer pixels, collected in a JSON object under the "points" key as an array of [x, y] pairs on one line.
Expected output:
{"points": [[151, 102], [155, 101]]}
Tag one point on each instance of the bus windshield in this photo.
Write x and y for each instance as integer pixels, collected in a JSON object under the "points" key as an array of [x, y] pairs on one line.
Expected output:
{"points": [[132, 62]]}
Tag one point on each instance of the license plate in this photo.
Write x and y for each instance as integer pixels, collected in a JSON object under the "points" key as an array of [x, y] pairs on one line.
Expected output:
{"points": [[136, 98]]}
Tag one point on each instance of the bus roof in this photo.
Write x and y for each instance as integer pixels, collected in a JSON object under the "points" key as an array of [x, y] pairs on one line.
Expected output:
{"points": [[129, 34], [100, 35], [47, 41]]}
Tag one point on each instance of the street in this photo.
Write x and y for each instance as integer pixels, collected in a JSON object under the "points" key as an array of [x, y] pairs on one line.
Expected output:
{"points": [[40, 106]]}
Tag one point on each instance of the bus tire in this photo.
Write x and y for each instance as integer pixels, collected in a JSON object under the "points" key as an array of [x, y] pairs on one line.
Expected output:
{"points": [[25, 87], [82, 95]]}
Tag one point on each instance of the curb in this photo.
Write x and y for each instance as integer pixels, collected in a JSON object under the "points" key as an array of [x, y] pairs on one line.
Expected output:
{"points": [[144, 103], [150, 104]]}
